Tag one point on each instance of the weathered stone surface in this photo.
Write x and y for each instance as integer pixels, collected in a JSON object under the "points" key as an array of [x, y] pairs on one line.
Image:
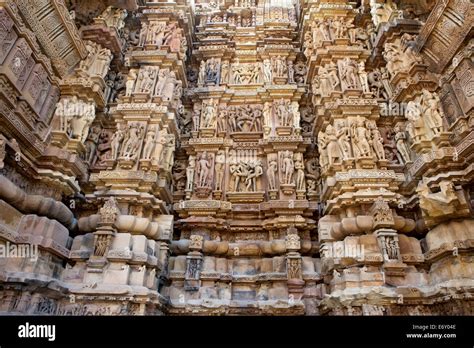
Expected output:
{"points": [[175, 158]]}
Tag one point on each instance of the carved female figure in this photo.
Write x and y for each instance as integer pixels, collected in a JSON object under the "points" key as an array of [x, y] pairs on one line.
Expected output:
{"points": [[300, 179], [402, 147], [376, 141], [333, 149], [204, 167], [117, 139], [149, 142], [168, 89], [130, 84], [220, 166], [431, 112], [190, 172], [343, 138], [160, 84], [267, 71], [143, 35], [271, 171], [360, 137]]}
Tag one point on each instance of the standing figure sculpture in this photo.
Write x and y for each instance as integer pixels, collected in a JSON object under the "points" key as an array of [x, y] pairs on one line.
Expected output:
{"points": [[430, 102], [190, 172], [204, 168], [149, 143], [287, 167], [219, 166], [271, 172]]}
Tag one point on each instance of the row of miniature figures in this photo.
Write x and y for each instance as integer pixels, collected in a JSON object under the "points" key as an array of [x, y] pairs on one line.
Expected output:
{"points": [[243, 171], [272, 70]]}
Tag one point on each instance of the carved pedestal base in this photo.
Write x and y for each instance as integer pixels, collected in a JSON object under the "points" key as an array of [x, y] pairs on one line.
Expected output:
{"points": [[312, 196], [76, 146], [189, 193], [217, 194], [59, 139], [300, 194], [139, 97], [287, 189], [202, 192], [109, 163], [365, 162], [280, 80], [207, 132], [246, 197], [442, 139], [145, 164], [382, 164], [284, 131], [126, 163], [273, 194]]}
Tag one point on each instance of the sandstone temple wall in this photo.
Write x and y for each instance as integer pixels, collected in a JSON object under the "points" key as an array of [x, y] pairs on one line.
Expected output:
{"points": [[236, 157]]}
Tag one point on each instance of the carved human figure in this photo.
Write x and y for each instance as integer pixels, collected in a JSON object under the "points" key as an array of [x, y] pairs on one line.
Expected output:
{"points": [[209, 115], [204, 169], [149, 142], [143, 34], [291, 72], [322, 149], [279, 68], [283, 114], [202, 74], [190, 172], [363, 77], [321, 33], [361, 136], [271, 172], [132, 141], [417, 127], [338, 27], [196, 118], [169, 87], [400, 139], [130, 84], [100, 65], [168, 153], [300, 176], [173, 37], [222, 119], [224, 72], [343, 138], [116, 142], [349, 73], [376, 140], [296, 114], [431, 106], [321, 82], [287, 167], [267, 115], [212, 71], [332, 76], [219, 167], [160, 144], [334, 154], [160, 84], [91, 143], [267, 71], [254, 171]]}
